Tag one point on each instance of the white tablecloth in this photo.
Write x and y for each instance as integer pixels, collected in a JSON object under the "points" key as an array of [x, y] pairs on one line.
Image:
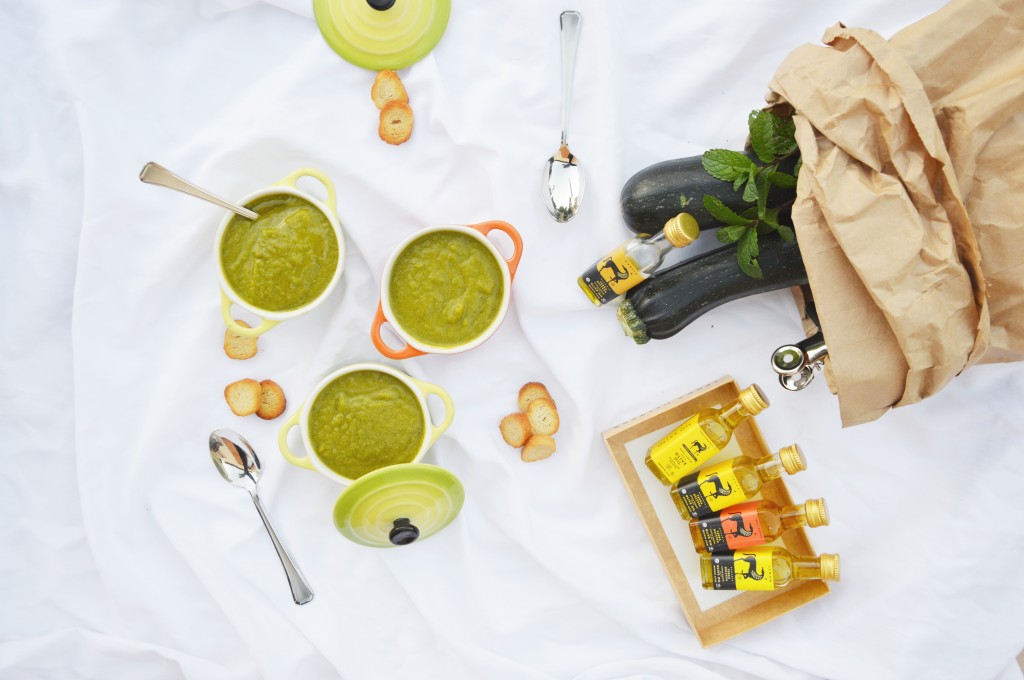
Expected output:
{"points": [[124, 555]]}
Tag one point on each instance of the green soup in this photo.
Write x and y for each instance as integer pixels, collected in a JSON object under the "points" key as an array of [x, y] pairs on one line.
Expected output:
{"points": [[282, 260], [446, 288], [363, 421]]}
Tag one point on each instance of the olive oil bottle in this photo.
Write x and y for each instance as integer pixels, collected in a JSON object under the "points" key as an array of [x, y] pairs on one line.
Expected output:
{"points": [[764, 568], [732, 481], [754, 523], [706, 433], [635, 260]]}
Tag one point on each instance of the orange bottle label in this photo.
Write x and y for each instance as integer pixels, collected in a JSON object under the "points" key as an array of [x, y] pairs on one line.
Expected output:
{"points": [[737, 526], [611, 276]]}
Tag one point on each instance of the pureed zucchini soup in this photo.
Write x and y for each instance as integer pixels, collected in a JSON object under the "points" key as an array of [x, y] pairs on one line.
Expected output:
{"points": [[365, 420], [446, 288], [282, 260]]}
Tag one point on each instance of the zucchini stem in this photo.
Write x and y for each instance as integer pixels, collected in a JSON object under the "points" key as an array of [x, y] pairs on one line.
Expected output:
{"points": [[632, 324]]}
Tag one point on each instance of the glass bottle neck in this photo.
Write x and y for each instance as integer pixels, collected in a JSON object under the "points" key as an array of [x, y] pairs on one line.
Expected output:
{"points": [[769, 467], [733, 414], [793, 516], [805, 568], [659, 241]]}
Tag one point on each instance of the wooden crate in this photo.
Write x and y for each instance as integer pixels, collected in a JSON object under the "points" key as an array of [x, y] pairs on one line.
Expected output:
{"points": [[714, 616]]}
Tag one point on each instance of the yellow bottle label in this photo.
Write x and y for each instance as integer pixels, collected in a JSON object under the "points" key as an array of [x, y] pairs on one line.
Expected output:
{"points": [[683, 450], [611, 276], [749, 569], [704, 493]]}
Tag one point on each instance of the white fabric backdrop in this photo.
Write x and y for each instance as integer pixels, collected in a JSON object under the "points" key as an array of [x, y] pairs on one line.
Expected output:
{"points": [[124, 555]]}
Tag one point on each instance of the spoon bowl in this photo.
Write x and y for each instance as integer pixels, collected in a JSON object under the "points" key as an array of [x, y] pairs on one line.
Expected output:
{"points": [[237, 463], [234, 459], [563, 185]]}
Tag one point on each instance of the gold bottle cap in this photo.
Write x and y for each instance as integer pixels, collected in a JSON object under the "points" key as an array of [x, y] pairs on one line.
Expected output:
{"points": [[792, 459], [682, 230], [817, 512], [829, 566], [753, 400]]}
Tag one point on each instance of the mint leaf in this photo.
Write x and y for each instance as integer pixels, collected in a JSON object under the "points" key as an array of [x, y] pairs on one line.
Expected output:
{"points": [[761, 187], [750, 191], [739, 182], [771, 217], [761, 129], [722, 213], [782, 137], [799, 164], [786, 233], [726, 165], [784, 180], [731, 234], [746, 254]]}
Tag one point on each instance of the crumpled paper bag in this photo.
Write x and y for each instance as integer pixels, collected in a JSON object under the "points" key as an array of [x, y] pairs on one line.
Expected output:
{"points": [[910, 203]]}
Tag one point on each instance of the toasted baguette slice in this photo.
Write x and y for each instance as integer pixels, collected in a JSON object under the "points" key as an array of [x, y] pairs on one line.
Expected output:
{"points": [[272, 401], [395, 123], [543, 416], [538, 447], [531, 391], [515, 429], [243, 396], [388, 87], [237, 346]]}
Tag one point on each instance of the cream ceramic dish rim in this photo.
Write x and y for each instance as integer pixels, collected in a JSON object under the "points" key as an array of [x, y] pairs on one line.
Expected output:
{"points": [[420, 389], [385, 293], [298, 311]]}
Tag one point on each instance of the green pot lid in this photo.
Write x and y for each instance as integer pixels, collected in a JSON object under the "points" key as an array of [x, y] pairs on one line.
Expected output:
{"points": [[379, 39], [398, 504]]}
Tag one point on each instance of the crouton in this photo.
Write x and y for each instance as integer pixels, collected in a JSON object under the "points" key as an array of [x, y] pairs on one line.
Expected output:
{"points": [[272, 401], [531, 391], [243, 396], [238, 346], [538, 447], [543, 416], [515, 429], [395, 123], [387, 88]]}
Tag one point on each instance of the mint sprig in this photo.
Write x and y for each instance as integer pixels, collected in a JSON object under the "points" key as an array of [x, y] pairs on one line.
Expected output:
{"points": [[773, 140]]}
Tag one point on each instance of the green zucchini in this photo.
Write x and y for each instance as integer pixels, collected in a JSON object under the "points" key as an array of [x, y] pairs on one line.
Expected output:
{"points": [[661, 191], [674, 298]]}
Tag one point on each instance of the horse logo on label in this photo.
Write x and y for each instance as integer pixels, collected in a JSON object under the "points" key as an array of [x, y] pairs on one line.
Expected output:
{"points": [[751, 571], [720, 490], [618, 273], [741, 528]]}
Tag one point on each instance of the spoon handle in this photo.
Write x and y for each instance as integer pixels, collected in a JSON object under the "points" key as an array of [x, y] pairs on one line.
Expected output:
{"points": [[570, 30], [154, 173], [300, 591]]}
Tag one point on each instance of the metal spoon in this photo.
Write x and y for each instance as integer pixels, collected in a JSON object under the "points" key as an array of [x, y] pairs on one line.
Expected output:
{"points": [[563, 174], [237, 463], [154, 173]]}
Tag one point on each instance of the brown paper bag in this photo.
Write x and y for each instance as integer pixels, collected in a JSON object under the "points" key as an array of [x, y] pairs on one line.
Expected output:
{"points": [[910, 203]]}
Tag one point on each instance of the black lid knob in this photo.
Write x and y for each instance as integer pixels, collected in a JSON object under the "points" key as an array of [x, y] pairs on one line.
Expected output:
{"points": [[380, 5], [404, 532]]}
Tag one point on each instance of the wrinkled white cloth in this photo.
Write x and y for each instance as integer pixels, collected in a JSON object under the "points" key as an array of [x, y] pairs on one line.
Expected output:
{"points": [[124, 555]]}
